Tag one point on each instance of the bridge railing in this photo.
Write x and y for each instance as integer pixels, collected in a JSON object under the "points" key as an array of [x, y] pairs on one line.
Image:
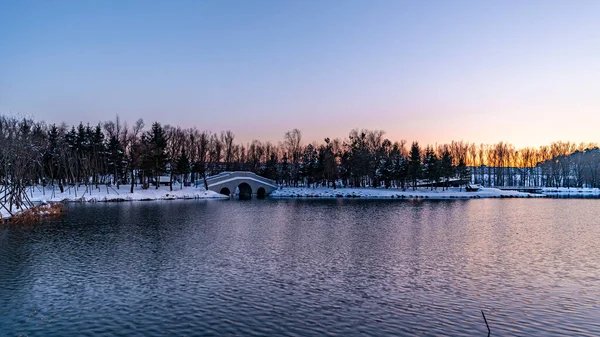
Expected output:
{"points": [[238, 174], [254, 176], [217, 176], [523, 188]]}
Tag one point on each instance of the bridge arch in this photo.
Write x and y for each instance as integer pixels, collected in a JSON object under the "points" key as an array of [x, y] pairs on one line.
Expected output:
{"points": [[245, 191], [261, 192], [225, 191]]}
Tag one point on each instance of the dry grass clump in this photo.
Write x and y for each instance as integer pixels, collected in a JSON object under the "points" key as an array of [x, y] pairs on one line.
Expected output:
{"points": [[35, 213]]}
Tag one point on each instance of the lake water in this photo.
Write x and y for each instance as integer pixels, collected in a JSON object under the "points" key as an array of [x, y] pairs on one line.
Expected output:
{"points": [[306, 268]]}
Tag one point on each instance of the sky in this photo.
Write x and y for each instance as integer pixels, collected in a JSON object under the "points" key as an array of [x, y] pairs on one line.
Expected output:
{"points": [[524, 72]]}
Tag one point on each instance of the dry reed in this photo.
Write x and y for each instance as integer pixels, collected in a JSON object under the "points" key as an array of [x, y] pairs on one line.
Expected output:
{"points": [[35, 213]]}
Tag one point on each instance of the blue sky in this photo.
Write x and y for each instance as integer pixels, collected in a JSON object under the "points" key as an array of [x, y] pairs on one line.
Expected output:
{"points": [[526, 72]]}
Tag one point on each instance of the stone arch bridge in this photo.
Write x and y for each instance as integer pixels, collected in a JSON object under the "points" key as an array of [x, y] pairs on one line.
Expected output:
{"points": [[247, 183]]}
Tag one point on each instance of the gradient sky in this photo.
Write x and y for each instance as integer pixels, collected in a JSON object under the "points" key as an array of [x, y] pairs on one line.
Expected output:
{"points": [[526, 72]]}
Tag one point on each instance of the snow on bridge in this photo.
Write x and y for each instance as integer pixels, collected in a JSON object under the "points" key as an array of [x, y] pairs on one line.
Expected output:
{"points": [[247, 183]]}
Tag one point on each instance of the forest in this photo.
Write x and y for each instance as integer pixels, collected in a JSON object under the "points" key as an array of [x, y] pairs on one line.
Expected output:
{"points": [[116, 154]]}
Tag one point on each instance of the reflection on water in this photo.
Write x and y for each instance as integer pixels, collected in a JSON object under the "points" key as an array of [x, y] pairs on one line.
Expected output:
{"points": [[304, 268]]}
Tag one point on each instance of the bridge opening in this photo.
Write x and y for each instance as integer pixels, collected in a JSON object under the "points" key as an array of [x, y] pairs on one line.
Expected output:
{"points": [[245, 191], [261, 193], [225, 191]]}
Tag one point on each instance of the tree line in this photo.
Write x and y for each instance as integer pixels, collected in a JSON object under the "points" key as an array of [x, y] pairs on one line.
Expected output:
{"points": [[115, 154]]}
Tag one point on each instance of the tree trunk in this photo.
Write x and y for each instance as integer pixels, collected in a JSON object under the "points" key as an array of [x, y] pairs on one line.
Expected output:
{"points": [[205, 182], [132, 181]]}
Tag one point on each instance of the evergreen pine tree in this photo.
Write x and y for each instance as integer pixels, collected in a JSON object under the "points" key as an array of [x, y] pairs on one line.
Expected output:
{"points": [[431, 167], [446, 166], [463, 171], [414, 164]]}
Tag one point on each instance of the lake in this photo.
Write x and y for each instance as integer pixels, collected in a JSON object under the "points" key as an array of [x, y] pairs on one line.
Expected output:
{"points": [[306, 268]]}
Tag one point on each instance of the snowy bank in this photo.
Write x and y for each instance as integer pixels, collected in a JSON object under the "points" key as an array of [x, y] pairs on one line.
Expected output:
{"points": [[38, 195], [104, 194], [570, 192], [382, 193]]}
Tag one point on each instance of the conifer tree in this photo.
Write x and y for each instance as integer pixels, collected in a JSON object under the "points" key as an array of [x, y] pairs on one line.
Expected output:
{"points": [[446, 166], [432, 167], [462, 171], [414, 164]]}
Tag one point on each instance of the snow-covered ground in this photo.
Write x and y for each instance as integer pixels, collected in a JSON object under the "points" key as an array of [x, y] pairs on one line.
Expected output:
{"points": [[122, 194], [451, 193], [571, 192], [37, 195]]}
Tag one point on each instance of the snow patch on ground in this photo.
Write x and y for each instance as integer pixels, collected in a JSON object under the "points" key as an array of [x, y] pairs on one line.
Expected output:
{"points": [[374, 193]]}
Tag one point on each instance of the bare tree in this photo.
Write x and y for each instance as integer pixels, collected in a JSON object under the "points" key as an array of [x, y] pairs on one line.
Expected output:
{"points": [[227, 138], [215, 153], [293, 145]]}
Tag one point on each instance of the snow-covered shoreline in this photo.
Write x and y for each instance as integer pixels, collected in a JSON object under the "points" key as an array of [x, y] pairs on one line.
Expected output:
{"points": [[570, 192], [111, 194], [103, 194], [382, 193]]}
